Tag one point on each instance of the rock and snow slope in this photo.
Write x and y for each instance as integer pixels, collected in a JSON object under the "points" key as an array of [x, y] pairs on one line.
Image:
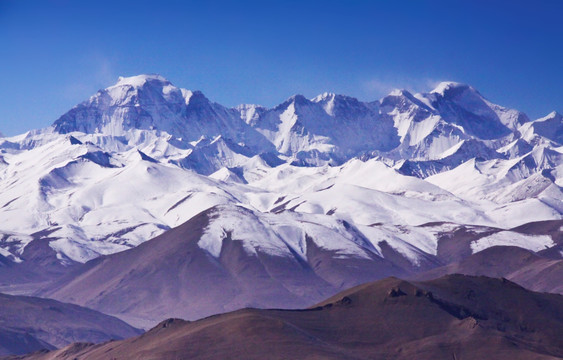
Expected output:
{"points": [[144, 156]]}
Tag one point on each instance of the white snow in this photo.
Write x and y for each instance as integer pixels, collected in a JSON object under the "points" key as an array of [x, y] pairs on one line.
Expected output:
{"points": [[138, 80], [510, 238], [102, 195], [444, 86]]}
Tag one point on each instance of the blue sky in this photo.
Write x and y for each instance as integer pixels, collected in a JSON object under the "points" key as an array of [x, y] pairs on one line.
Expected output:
{"points": [[55, 54]]}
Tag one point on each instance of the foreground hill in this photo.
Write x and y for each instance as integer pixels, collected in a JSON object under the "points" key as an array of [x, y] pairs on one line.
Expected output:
{"points": [[29, 324], [454, 317]]}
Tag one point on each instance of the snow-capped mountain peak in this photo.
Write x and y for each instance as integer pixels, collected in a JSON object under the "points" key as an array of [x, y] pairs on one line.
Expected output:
{"points": [[140, 80], [152, 103], [551, 115], [446, 87], [399, 92], [329, 128], [137, 102], [341, 105], [298, 100], [547, 128], [326, 96], [462, 105], [195, 98], [143, 90]]}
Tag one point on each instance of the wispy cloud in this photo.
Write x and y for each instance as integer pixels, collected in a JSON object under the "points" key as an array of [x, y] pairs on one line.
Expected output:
{"points": [[98, 72], [381, 86], [105, 73]]}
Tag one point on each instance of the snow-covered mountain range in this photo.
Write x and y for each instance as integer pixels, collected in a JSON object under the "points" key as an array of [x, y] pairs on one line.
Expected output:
{"points": [[144, 156]]}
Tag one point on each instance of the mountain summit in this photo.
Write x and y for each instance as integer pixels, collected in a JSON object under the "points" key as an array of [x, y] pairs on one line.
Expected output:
{"points": [[329, 128], [152, 103]]}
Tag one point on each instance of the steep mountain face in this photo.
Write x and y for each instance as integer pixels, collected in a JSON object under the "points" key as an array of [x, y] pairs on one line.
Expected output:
{"points": [[462, 105], [323, 186], [327, 128], [457, 317], [150, 102], [548, 127], [30, 324]]}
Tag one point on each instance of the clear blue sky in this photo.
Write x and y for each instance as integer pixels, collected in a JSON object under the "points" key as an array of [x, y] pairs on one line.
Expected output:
{"points": [[55, 54]]}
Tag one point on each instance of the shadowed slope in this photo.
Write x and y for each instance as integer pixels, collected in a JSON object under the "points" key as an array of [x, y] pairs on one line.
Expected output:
{"points": [[206, 267], [452, 317], [29, 324], [172, 276], [521, 266]]}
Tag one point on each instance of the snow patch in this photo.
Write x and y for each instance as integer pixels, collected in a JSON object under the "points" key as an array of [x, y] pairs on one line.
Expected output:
{"points": [[509, 238]]}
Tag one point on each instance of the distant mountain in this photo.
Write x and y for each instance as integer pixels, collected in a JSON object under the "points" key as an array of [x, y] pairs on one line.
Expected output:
{"points": [[454, 317], [327, 129], [533, 271], [327, 192], [548, 127], [30, 324]]}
